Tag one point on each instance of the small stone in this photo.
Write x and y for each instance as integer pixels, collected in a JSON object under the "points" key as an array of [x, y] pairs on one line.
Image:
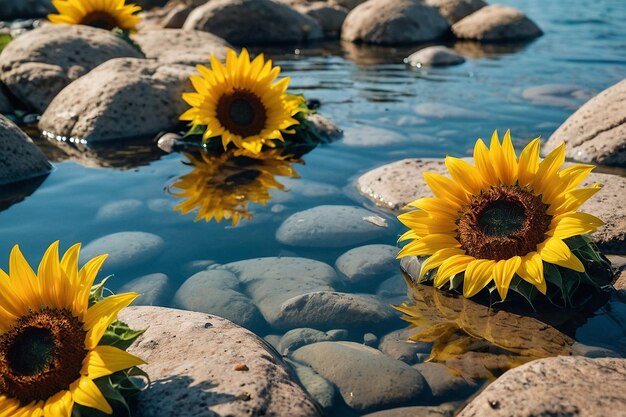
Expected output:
{"points": [[559, 95], [324, 126], [365, 267], [393, 288], [171, 142], [447, 111], [398, 22], [443, 383], [154, 289], [444, 410], [496, 23], [370, 339], [118, 210], [435, 56], [296, 338], [329, 226], [322, 391], [241, 367], [370, 137], [125, 249], [455, 10], [398, 346]]}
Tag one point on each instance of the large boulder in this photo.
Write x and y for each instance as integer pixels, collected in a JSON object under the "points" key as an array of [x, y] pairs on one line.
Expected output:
{"points": [[455, 10], [121, 99], [254, 22], [39, 64], [561, 386], [176, 46], [20, 158], [596, 133], [496, 23], [202, 365], [12, 9], [330, 17], [393, 22]]}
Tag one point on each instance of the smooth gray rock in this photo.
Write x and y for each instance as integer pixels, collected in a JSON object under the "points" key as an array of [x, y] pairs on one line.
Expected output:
{"points": [[581, 349], [330, 17], [392, 288], [560, 386], [12, 9], [370, 339], [496, 23], [121, 99], [177, 46], [296, 338], [367, 379], [370, 137], [331, 226], [435, 56], [254, 22], [117, 210], [5, 104], [444, 410], [154, 289], [393, 22], [20, 158], [194, 361], [596, 133], [434, 110], [125, 249], [443, 383], [39, 64], [559, 95], [398, 346], [455, 10], [217, 292], [322, 391], [324, 126], [365, 267]]}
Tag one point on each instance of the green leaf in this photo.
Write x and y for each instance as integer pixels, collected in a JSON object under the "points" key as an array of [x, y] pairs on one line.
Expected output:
{"points": [[456, 281], [118, 334], [523, 288], [4, 40], [195, 130], [125, 36]]}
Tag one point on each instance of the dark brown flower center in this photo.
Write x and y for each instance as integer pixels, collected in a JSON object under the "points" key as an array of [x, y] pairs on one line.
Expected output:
{"points": [[503, 222], [242, 113], [98, 19], [41, 355]]}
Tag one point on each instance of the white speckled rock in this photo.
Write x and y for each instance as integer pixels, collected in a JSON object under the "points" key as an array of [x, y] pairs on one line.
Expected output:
{"points": [[121, 99], [39, 64], [20, 158], [393, 22], [177, 46], [435, 56], [367, 379], [125, 249], [154, 289], [455, 10], [365, 267], [192, 360], [331, 226], [496, 23], [254, 22], [370, 137], [560, 386], [596, 133], [116, 210]]}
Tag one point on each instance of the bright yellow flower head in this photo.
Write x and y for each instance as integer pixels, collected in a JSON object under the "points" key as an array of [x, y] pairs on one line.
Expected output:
{"points": [[49, 352], [222, 186], [241, 103], [105, 14], [504, 216]]}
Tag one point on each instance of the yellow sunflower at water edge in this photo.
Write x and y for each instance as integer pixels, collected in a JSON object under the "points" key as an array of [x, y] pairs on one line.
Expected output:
{"points": [[105, 14], [502, 217], [49, 335], [241, 102]]}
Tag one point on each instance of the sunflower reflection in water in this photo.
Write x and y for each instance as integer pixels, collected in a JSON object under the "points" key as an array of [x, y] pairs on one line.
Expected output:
{"points": [[221, 185], [104, 14]]}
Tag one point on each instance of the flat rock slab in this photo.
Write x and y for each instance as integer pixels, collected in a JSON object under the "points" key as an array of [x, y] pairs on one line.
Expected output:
{"points": [[496, 23], [121, 99], [39, 64], [331, 226], [254, 22], [203, 365], [397, 22], [394, 185], [177, 46], [596, 133], [20, 158], [560, 386], [367, 379]]}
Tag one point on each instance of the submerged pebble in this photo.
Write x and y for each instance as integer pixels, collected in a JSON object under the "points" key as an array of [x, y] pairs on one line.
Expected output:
{"points": [[365, 267], [154, 289], [125, 249]]}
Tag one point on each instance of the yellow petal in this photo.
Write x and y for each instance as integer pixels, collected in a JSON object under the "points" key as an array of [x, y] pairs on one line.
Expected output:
{"points": [[547, 173], [503, 273], [86, 393], [429, 245], [450, 267], [437, 259], [465, 174], [102, 314], [555, 251], [484, 164], [106, 360], [435, 205], [573, 224], [59, 405], [531, 271], [478, 274], [445, 188], [528, 163]]}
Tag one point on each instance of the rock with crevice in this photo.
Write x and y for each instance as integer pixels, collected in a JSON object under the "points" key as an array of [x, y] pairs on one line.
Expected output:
{"points": [[560, 386], [123, 98], [20, 158], [393, 22], [254, 22], [496, 23], [202, 365], [39, 64], [596, 133]]}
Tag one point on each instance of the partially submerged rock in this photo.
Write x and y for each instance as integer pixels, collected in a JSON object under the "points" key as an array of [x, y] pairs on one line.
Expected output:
{"points": [[20, 158], [254, 22], [397, 22], [202, 365], [121, 99], [154, 289], [496, 23], [596, 133], [177, 46], [435, 56], [330, 17], [561, 386], [455, 10], [39, 64]]}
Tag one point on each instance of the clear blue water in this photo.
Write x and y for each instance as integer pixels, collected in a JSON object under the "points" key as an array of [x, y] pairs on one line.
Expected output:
{"points": [[584, 45]]}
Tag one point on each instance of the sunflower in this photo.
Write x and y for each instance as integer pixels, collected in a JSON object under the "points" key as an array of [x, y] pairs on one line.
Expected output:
{"points": [[221, 186], [241, 103], [504, 217], [49, 335], [105, 14]]}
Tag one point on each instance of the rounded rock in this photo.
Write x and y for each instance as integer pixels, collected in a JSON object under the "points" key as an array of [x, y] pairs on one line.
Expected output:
{"points": [[330, 17], [435, 56], [455, 10], [370, 137], [154, 289], [125, 249], [496, 23], [296, 338], [367, 266]]}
